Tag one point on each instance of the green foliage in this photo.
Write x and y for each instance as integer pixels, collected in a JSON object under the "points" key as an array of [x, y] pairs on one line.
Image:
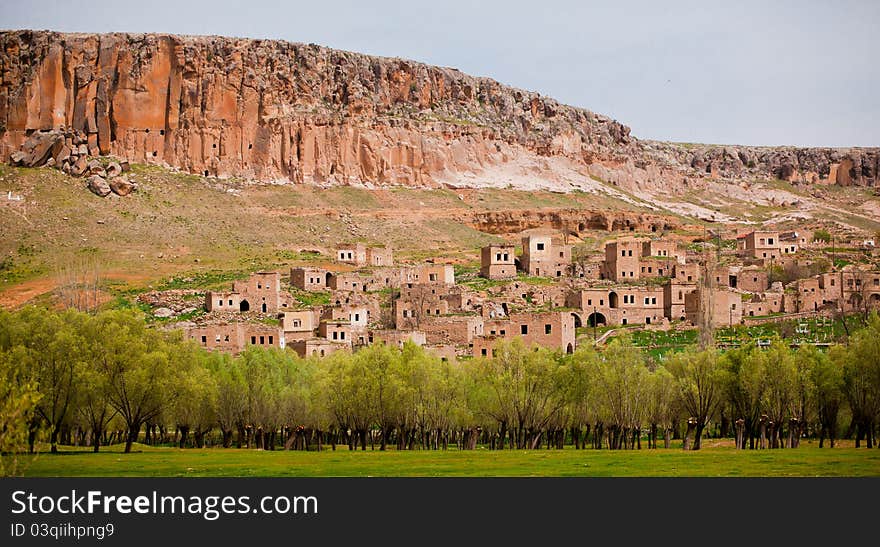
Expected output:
{"points": [[822, 235], [203, 280], [113, 372], [19, 399], [310, 299]]}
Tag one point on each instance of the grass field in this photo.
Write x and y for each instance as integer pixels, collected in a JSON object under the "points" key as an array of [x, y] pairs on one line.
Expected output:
{"points": [[720, 461]]}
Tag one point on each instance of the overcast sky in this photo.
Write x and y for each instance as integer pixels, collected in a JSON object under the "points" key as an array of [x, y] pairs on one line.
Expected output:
{"points": [[733, 72]]}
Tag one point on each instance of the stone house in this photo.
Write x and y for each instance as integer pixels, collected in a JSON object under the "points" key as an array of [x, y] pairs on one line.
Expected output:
{"points": [[760, 244], [750, 279], [541, 257], [261, 292], [674, 294], [619, 305], [316, 347], [335, 330], [548, 329], [726, 308], [310, 279], [351, 253], [397, 337], [459, 330], [622, 260], [298, 325], [346, 281], [359, 254], [235, 337], [498, 262], [763, 304]]}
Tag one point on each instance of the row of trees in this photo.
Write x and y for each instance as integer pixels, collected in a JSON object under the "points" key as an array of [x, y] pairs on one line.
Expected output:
{"points": [[95, 379]]}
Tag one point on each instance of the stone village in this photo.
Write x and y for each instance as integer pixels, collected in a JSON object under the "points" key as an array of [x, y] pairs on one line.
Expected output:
{"points": [[540, 294]]}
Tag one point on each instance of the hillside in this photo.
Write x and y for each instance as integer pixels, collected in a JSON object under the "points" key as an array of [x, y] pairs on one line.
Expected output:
{"points": [[247, 153]]}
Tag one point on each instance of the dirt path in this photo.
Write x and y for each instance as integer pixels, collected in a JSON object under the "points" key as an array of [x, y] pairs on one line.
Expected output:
{"points": [[17, 295]]}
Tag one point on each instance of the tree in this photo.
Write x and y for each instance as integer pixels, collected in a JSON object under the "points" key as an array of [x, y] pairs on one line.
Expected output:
{"points": [[525, 392], [861, 374], [828, 384], [19, 398], [583, 395], [231, 396], [780, 376], [53, 350], [622, 381], [660, 410], [822, 235], [745, 385], [195, 408], [143, 377], [700, 379]]}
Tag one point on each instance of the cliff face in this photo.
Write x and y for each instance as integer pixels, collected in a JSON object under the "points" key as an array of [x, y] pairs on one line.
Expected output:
{"points": [[276, 110], [273, 110]]}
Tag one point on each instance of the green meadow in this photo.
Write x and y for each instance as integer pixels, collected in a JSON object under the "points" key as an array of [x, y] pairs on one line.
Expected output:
{"points": [[713, 461]]}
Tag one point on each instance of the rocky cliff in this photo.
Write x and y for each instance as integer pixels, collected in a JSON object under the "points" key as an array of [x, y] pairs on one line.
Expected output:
{"points": [[278, 111]]}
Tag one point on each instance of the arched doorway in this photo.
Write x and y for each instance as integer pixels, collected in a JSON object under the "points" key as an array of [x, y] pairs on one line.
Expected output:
{"points": [[263, 307], [244, 306], [570, 348], [577, 321], [327, 279], [612, 299], [595, 319]]}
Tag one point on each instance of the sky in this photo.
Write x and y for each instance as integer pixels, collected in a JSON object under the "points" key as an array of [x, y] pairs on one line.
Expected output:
{"points": [[772, 72]]}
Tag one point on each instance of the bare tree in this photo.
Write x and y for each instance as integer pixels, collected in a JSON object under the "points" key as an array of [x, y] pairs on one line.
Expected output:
{"points": [[78, 283]]}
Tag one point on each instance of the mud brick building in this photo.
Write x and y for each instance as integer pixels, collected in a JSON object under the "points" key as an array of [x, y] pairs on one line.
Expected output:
{"points": [[760, 244], [726, 307], [310, 279], [498, 262], [316, 347], [622, 260], [763, 304], [359, 254], [542, 257], [548, 329], [397, 338], [458, 330], [261, 292], [235, 337], [299, 325]]}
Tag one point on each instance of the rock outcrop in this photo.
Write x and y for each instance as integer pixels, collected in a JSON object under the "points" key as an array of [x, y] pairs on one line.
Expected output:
{"points": [[68, 151], [271, 110]]}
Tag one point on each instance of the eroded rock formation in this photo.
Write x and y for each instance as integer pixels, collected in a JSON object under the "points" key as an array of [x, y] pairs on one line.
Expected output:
{"points": [[271, 110]]}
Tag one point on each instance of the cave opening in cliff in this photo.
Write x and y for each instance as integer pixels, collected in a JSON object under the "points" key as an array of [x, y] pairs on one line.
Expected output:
{"points": [[244, 306]]}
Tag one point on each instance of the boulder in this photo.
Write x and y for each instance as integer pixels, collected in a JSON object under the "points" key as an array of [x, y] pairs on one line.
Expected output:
{"points": [[79, 167], [121, 186], [99, 186], [95, 168], [17, 157], [113, 169], [38, 148], [126, 167], [163, 312], [63, 154]]}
